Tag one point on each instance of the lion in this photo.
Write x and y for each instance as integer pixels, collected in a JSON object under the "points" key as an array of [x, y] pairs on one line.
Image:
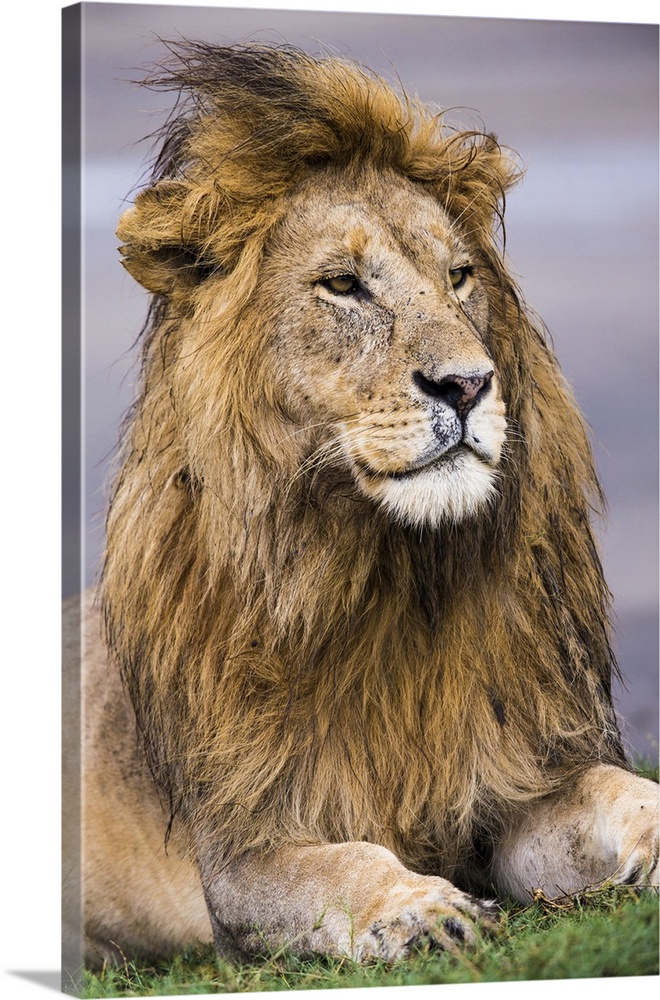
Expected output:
{"points": [[348, 675]]}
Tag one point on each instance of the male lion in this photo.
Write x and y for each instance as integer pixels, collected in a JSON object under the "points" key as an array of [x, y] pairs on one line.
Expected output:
{"points": [[350, 585]]}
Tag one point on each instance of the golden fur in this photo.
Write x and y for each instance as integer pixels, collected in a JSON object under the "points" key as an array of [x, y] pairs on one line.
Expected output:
{"points": [[307, 667]]}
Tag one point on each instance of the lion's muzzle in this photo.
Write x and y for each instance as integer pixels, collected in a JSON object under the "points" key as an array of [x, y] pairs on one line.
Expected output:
{"points": [[439, 459]]}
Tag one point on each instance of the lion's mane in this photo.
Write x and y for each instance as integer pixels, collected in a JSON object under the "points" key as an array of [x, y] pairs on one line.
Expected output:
{"points": [[302, 668]]}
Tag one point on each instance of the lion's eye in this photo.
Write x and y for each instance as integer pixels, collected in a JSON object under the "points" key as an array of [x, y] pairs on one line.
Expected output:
{"points": [[342, 284], [458, 276]]}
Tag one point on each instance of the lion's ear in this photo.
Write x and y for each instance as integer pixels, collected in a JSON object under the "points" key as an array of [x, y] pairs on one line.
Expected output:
{"points": [[162, 247]]}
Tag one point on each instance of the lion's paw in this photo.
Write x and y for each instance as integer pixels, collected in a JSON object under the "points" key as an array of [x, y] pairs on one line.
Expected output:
{"points": [[437, 914], [603, 830], [635, 836]]}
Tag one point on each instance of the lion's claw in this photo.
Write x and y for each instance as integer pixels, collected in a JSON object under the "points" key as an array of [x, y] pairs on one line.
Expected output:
{"points": [[441, 916]]}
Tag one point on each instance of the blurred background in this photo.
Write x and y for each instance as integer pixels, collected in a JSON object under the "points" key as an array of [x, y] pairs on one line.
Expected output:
{"points": [[578, 101]]}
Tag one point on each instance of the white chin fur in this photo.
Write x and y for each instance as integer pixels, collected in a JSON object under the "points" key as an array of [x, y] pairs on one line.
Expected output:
{"points": [[449, 491]]}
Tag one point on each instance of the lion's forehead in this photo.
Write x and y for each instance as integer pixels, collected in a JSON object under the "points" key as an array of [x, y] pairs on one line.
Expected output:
{"points": [[397, 226]]}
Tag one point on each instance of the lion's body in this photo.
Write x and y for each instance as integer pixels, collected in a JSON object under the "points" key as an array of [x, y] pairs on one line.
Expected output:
{"points": [[136, 883], [350, 580]]}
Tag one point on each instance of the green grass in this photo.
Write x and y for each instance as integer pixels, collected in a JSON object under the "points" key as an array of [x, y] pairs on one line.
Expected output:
{"points": [[647, 769], [607, 932]]}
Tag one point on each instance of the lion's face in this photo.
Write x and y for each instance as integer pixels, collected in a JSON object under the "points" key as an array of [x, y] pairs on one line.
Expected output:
{"points": [[379, 320]]}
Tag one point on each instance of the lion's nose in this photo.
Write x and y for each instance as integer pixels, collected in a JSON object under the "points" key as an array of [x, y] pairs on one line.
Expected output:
{"points": [[458, 391]]}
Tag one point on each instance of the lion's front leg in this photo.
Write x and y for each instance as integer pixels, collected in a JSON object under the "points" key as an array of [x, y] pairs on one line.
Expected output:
{"points": [[353, 899], [604, 827]]}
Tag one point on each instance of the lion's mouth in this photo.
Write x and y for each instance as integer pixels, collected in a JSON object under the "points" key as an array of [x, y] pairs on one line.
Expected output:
{"points": [[444, 458]]}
